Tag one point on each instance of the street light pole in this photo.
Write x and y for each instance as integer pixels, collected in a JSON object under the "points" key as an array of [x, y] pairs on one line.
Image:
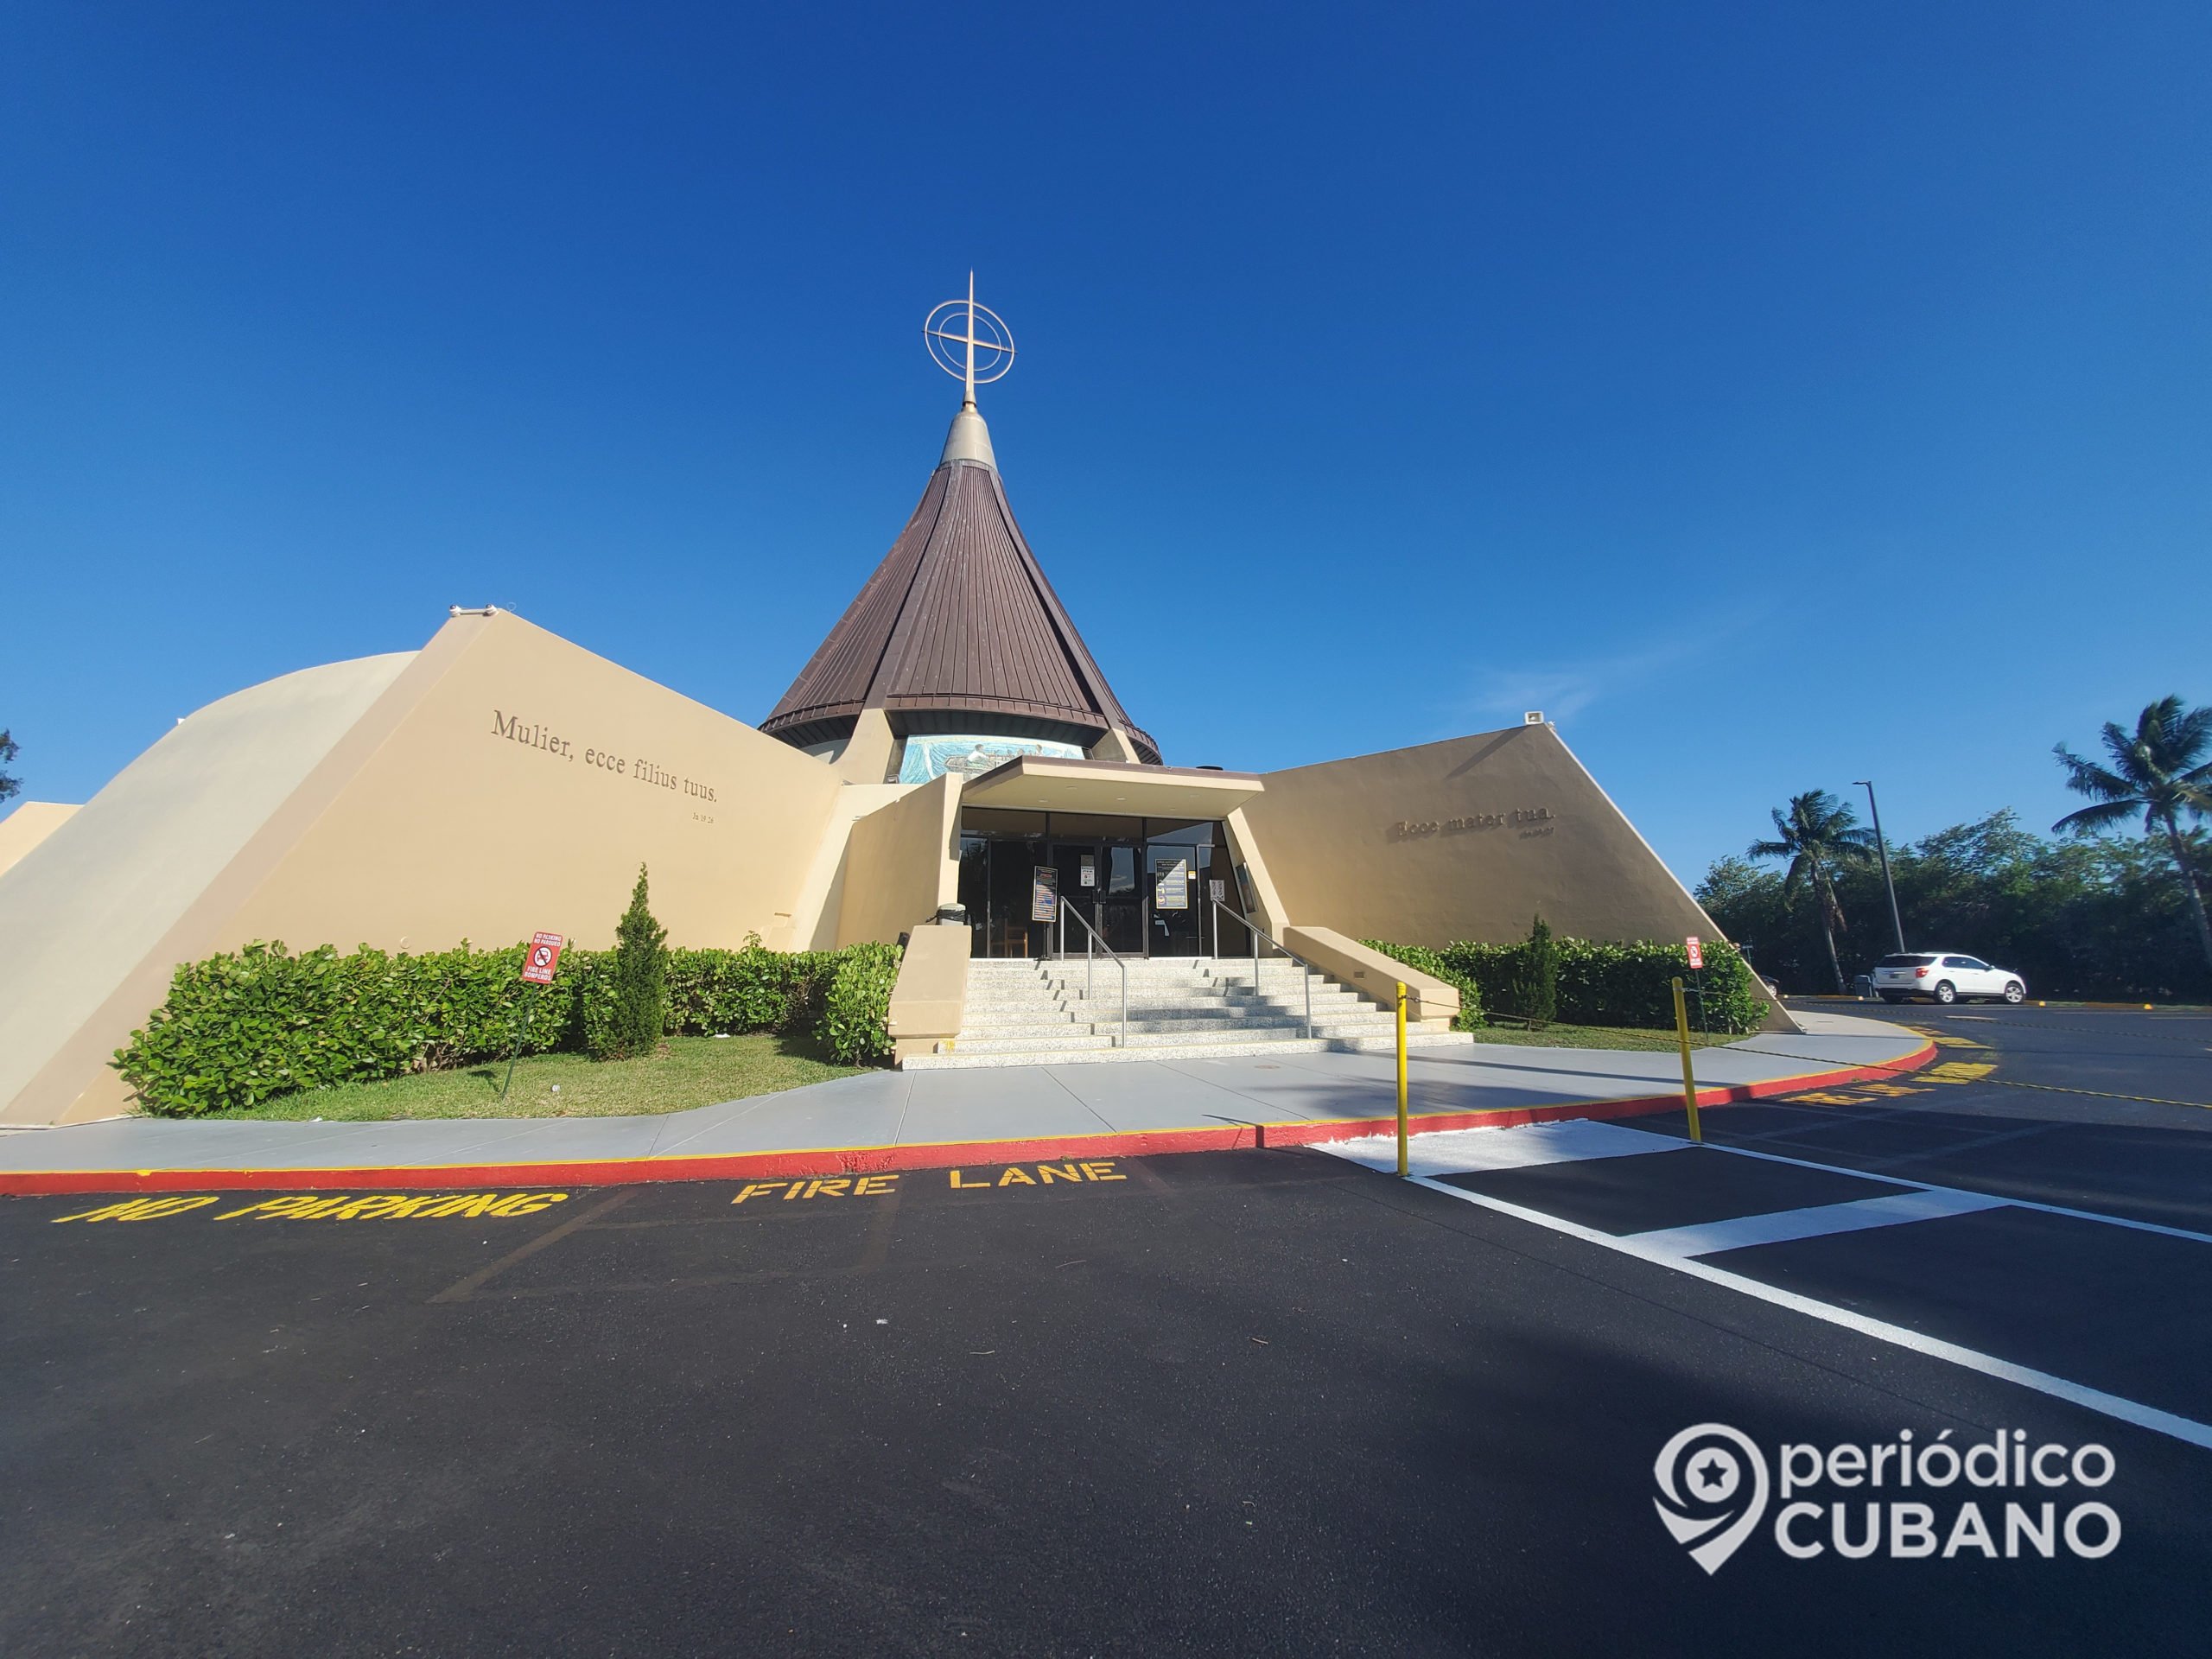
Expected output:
{"points": [[1883, 847]]}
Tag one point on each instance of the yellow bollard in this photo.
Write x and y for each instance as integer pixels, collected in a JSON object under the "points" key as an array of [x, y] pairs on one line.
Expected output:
{"points": [[1689, 1077], [1402, 1079]]}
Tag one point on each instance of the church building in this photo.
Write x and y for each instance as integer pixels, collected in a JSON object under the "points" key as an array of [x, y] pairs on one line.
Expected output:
{"points": [[950, 767]]}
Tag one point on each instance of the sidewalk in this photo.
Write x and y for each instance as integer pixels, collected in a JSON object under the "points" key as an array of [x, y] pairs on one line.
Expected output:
{"points": [[929, 1120]]}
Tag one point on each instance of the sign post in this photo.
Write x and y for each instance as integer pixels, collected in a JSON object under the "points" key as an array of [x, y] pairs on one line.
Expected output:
{"points": [[1401, 1079], [1696, 951], [539, 963], [1690, 1078]]}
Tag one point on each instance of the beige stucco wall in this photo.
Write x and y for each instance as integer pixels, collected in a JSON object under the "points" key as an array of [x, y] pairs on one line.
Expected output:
{"points": [[31, 823], [382, 802], [453, 830], [1466, 839], [87, 912], [901, 862]]}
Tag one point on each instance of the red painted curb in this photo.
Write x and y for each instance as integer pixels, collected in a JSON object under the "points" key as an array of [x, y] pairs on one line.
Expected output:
{"points": [[867, 1160]]}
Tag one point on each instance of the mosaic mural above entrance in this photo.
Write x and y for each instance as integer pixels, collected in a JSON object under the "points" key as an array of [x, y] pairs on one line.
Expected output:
{"points": [[929, 758]]}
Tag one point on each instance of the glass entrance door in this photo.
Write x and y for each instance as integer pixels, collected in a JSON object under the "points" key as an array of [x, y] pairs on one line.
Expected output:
{"points": [[1100, 880], [1143, 884]]}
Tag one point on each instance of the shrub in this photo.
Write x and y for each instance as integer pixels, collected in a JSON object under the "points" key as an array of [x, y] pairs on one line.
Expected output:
{"points": [[751, 989], [626, 1014], [241, 1028], [1601, 983], [856, 1011], [1532, 981]]}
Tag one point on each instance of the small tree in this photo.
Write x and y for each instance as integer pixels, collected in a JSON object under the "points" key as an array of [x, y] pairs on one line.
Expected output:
{"points": [[1534, 986], [8, 785], [640, 987]]}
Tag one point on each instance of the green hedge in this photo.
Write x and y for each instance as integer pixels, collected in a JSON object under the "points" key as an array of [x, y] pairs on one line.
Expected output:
{"points": [[240, 1029], [1602, 984]]}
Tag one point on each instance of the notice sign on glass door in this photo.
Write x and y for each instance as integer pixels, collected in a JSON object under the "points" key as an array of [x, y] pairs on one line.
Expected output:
{"points": [[1172, 890], [1044, 892]]}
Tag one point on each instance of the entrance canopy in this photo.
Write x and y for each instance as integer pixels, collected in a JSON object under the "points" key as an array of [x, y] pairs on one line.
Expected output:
{"points": [[1119, 788]]}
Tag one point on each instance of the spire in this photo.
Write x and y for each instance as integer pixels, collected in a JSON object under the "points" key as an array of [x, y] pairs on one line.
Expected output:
{"points": [[958, 622], [954, 332], [968, 440]]}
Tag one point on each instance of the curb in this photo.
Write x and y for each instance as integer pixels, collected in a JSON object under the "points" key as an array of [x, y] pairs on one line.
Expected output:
{"points": [[869, 1160], [2124, 1007]]}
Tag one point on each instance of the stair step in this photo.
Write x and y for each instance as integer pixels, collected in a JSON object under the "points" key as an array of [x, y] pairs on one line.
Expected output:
{"points": [[1064, 1012], [964, 1059]]}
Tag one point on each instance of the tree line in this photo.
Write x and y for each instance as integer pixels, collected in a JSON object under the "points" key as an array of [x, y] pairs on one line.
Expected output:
{"points": [[2079, 912]]}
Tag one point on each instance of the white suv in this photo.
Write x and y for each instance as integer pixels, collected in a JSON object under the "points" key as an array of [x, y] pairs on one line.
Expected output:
{"points": [[1945, 979]]}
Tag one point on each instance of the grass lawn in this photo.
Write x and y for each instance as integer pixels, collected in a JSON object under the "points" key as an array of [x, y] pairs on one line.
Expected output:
{"points": [[695, 1071], [1616, 1037]]}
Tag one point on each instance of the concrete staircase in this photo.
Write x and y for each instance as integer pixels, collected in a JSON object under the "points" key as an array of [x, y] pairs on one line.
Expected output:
{"points": [[1023, 1012]]}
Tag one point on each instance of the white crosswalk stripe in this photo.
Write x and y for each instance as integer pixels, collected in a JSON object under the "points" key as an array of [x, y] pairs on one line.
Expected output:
{"points": [[1817, 1221]]}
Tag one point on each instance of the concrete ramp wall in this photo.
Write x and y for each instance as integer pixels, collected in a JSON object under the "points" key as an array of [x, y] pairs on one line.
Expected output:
{"points": [[1466, 839], [83, 910], [498, 781]]}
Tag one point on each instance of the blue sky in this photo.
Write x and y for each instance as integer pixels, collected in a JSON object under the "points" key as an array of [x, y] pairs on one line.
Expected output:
{"points": [[1776, 396]]}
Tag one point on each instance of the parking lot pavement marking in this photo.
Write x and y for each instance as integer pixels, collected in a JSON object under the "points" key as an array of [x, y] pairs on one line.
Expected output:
{"points": [[831, 1187], [2101, 1094], [1070, 1173], [1777, 1227], [1424, 1170], [324, 1207], [2015, 1203], [2058, 1388]]}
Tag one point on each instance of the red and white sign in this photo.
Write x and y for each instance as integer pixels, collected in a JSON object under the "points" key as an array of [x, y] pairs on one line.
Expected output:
{"points": [[1696, 950], [543, 956]]}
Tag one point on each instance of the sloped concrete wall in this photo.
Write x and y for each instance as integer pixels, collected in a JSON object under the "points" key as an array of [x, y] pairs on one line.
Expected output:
{"points": [[31, 823], [84, 907], [521, 791], [1466, 839], [498, 781]]}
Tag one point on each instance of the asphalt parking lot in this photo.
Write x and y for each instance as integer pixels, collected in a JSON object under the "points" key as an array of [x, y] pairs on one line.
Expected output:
{"points": [[1250, 1403]]}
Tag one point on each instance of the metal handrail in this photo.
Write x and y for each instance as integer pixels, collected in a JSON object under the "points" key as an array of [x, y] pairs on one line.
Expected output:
{"points": [[1259, 933], [1092, 945]]}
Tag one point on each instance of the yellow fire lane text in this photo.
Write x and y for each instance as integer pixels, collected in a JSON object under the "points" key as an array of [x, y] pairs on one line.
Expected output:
{"points": [[828, 1186], [1046, 1175], [319, 1206]]}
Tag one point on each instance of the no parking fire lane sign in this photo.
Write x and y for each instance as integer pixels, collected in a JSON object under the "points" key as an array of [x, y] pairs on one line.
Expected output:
{"points": [[544, 957]]}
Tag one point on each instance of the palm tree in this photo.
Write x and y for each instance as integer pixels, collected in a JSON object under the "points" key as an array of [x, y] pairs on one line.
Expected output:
{"points": [[1818, 834], [2162, 770]]}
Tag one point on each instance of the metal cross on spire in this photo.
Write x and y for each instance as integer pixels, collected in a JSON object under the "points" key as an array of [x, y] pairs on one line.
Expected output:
{"points": [[984, 332]]}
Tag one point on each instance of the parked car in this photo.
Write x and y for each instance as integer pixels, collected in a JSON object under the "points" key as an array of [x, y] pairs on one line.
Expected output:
{"points": [[1945, 977]]}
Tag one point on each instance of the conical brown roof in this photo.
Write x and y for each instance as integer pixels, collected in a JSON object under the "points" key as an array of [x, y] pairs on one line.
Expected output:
{"points": [[958, 619]]}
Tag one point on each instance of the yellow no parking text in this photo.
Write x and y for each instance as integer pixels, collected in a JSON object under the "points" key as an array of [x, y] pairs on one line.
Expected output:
{"points": [[322, 1206]]}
